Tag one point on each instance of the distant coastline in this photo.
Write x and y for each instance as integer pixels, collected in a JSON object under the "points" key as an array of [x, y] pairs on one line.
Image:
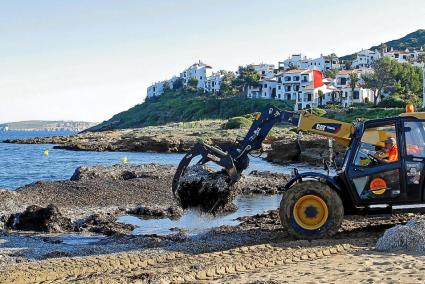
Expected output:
{"points": [[42, 125]]}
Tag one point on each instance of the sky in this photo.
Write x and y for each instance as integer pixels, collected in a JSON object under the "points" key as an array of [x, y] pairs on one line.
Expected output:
{"points": [[89, 59]]}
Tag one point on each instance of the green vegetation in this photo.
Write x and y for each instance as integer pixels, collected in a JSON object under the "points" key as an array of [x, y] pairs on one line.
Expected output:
{"points": [[237, 122], [352, 114], [413, 41], [181, 105], [402, 80]]}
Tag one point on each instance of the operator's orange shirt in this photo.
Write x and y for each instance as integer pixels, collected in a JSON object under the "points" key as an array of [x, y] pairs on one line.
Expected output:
{"points": [[393, 154]]}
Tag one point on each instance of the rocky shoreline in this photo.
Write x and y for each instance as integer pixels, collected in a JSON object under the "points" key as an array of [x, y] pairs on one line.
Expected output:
{"points": [[94, 196], [280, 146], [82, 240]]}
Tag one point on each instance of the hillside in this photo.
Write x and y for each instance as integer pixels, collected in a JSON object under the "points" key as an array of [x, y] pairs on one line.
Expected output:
{"points": [[413, 40], [35, 125], [181, 107]]}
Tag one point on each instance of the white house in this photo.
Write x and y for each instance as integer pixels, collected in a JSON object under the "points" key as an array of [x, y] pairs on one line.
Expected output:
{"points": [[156, 89], [346, 94], [321, 63], [365, 58], [199, 71], [292, 83], [297, 61], [324, 63], [301, 85], [213, 83], [264, 70], [405, 55]]}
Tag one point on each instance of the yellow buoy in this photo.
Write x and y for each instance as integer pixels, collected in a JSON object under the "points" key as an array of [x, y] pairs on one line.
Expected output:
{"points": [[46, 153], [124, 160]]}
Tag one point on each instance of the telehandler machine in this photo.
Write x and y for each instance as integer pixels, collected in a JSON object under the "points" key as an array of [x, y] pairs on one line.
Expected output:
{"points": [[368, 182]]}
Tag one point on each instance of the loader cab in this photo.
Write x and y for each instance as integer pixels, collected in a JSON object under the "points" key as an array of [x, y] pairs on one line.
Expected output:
{"points": [[384, 164]]}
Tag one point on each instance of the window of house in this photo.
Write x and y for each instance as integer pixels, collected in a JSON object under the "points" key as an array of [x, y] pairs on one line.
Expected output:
{"points": [[287, 78], [288, 97], [265, 85], [356, 95], [296, 88], [343, 81], [309, 97], [296, 78], [278, 87]]}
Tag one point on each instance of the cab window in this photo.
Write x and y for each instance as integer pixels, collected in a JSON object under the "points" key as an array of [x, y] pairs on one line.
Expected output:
{"points": [[414, 132], [378, 146]]}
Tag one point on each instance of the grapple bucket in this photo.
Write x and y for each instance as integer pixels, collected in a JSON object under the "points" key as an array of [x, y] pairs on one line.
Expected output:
{"points": [[209, 190]]}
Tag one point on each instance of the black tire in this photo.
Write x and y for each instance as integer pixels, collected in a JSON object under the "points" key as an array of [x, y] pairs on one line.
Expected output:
{"points": [[329, 223]]}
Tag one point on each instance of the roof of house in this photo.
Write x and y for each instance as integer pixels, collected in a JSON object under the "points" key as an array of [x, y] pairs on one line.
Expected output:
{"points": [[297, 71], [347, 72]]}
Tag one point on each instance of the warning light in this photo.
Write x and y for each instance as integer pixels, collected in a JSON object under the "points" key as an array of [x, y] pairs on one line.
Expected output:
{"points": [[410, 108]]}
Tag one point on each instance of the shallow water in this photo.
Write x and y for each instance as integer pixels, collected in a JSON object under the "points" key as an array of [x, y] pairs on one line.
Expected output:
{"points": [[194, 222], [24, 164]]}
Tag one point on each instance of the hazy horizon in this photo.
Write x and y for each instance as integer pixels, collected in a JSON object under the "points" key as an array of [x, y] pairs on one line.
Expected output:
{"points": [[87, 60]]}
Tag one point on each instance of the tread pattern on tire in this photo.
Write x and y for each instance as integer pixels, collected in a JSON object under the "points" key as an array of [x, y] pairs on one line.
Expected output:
{"points": [[332, 200]]}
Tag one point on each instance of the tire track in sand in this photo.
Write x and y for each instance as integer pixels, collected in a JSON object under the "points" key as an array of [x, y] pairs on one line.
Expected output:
{"points": [[169, 267]]}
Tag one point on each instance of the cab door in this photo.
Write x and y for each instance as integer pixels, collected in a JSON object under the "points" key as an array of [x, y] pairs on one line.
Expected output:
{"points": [[375, 177], [414, 152]]}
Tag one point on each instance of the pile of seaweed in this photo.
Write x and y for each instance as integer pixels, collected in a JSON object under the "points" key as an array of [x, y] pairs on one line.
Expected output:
{"points": [[211, 192]]}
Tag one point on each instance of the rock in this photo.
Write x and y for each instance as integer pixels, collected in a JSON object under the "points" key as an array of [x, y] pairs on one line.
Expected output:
{"points": [[115, 172], [157, 212], [409, 237], [202, 187], [262, 182], [103, 224], [315, 148], [36, 218]]}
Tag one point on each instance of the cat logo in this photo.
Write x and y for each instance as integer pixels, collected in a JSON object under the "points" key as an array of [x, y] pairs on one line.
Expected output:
{"points": [[378, 186], [327, 127]]}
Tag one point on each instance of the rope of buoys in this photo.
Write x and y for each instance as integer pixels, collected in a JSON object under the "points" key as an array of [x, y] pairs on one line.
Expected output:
{"points": [[46, 152]]}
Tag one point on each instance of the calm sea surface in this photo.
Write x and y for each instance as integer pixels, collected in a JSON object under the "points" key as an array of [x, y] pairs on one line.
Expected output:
{"points": [[24, 164]]}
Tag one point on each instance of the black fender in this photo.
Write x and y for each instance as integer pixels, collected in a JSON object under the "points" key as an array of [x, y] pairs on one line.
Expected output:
{"points": [[329, 180]]}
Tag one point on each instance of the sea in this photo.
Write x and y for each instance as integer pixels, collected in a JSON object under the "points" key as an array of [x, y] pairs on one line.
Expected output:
{"points": [[22, 164]]}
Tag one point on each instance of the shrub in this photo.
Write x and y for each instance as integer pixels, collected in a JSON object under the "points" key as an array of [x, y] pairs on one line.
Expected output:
{"points": [[318, 111], [237, 122], [392, 101]]}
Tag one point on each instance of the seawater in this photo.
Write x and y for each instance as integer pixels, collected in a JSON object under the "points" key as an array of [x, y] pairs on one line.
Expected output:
{"points": [[25, 164]]}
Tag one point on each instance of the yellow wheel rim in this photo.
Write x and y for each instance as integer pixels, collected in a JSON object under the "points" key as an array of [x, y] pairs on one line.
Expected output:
{"points": [[310, 212]]}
